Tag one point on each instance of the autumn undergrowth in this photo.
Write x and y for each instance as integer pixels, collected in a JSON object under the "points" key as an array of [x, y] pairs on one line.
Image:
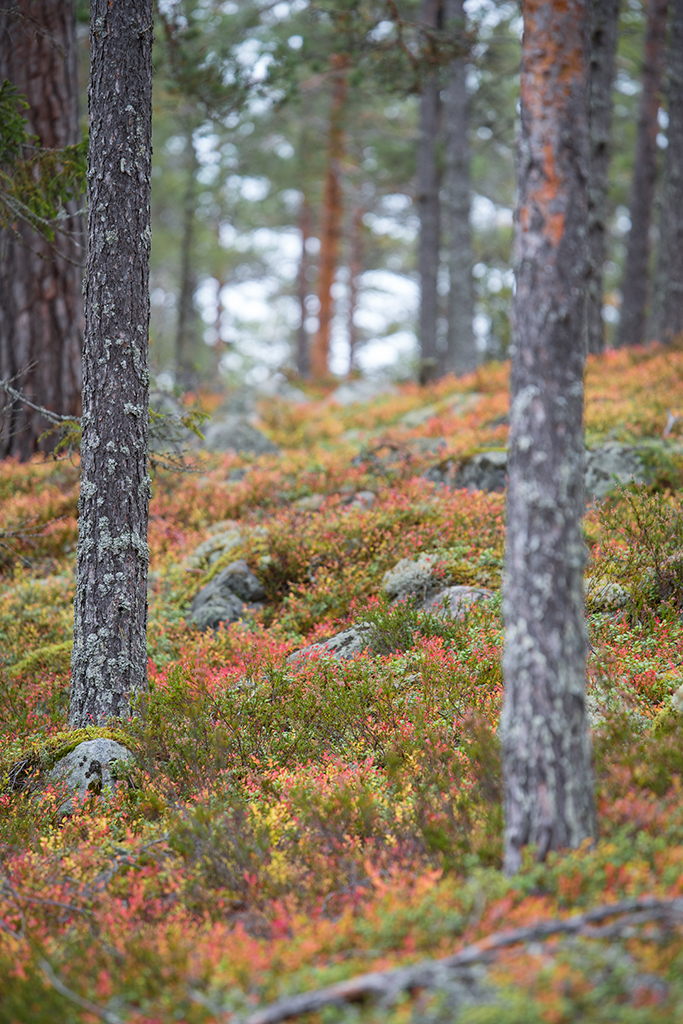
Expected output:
{"points": [[292, 821]]}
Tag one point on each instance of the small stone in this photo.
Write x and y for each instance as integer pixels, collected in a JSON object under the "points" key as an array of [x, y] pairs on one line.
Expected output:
{"points": [[486, 471], [342, 646], [87, 770], [309, 503], [455, 602], [410, 578], [236, 434]]}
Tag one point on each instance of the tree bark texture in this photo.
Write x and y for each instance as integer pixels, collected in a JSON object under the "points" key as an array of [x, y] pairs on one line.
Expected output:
{"points": [[634, 287], [546, 744], [603, 48], [187, 318], [461, 354], [331, 220], [109, 660], [355, 272], [667, 316], [41, 297], [302, 346], [429, 209]]}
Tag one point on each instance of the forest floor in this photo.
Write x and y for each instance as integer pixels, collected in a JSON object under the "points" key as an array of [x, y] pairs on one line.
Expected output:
{"points": [[288, 826]]}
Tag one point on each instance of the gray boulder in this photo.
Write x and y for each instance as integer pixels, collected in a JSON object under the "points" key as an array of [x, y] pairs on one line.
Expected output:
{"points": [[485, 471], [88, 770], [606, 467], [232, 592], [612, 464], [342, 646], [411, 578], [236, 434], [455, 602]]}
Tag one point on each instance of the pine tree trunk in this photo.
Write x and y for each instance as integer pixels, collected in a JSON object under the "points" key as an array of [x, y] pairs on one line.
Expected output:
{"points": [[302, 347], [604, 22], [331, 221], [668, 305], [355, 271], [187, 318], [109, 660], [634, 288], [41, 307], [429, 209], [546, 744], [461, 355]]}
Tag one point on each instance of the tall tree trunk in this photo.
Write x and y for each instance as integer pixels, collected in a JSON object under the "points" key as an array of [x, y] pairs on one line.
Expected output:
{"points": [[429, 209], [109, 660], [302, 346], [461, 355], [668, 305], [604, 22], [546, 743], [41, 311], [634, 289], [187, 314], [355, 271], [331, 220]]}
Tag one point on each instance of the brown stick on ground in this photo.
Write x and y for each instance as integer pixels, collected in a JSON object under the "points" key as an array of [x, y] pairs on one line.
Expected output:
{"points": [[386, 985]]}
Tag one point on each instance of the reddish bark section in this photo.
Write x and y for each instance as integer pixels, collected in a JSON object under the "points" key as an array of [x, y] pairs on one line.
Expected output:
{"points": [[332, 213], [546, 744], [41, 307]]}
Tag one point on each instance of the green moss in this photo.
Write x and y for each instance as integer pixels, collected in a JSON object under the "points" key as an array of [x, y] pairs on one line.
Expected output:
{"points": [[49, 658]]}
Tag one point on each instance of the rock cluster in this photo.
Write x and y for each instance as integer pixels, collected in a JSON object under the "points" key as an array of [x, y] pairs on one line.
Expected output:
{"points": [[228, 597]]}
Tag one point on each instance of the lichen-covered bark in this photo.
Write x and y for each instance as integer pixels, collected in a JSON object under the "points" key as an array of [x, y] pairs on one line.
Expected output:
{"points": [[187, 316], [429, 209], [109, 661], [667, 316], [546, 745], [634, 285], [603, 48], [331, 220], [461, 354], [41, 300], [302, 286]]}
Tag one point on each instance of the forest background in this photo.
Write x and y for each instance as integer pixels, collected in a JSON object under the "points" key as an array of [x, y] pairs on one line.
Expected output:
{"points": [[292, 822]]}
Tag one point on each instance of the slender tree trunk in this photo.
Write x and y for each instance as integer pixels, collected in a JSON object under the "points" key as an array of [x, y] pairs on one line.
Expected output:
{"points": [[109, 660], [187, 314], [429, 208], [634, 289], [604, 22], [461, 355], [355, 271], [41, 305], [331, 221], [668, 304], [546, 743], [302, 346]]}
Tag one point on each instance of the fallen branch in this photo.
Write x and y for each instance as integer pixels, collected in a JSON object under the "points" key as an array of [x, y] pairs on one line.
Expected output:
{"points": [[432, 974], [85, 1004]]}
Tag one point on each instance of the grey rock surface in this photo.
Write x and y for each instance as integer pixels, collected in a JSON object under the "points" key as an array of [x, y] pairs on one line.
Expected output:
{"points": [[485, 471], [236, 434], [88, 769], [612, 464], [361, 390], [232, 592], [455, 602], [342, 646], [411, 578], [606, 467]]}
